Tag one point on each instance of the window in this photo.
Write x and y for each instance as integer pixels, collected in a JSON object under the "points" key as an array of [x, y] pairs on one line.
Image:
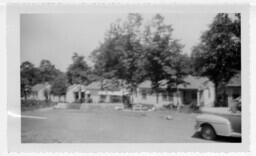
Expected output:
{"points": [[115, 99], [76, 96], [102, 98], [194, 95], [82, 95]]}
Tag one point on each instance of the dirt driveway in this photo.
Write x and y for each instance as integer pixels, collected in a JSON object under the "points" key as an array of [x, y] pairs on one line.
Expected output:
{"points": [[97, 124]]}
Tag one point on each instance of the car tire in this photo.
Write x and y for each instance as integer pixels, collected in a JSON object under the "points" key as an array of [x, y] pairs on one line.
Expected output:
{"points": [[208, 132]]}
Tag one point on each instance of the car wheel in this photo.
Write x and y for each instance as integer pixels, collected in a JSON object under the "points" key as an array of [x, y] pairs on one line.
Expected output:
{"points": [[208, 132]]}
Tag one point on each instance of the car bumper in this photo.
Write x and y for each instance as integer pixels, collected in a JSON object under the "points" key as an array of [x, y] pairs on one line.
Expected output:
{"points": [[236, 135]]}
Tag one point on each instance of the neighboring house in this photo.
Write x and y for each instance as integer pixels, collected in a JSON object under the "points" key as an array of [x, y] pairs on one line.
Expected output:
{"points": [[233, 88], [111, 96], [76, 93], [55, 98], [41, 91], [145, 95], [93, 90], [104, 92], [195, 90]]}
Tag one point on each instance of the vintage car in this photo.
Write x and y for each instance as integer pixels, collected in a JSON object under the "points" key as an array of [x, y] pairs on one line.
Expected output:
{"points": [[219, 121]]}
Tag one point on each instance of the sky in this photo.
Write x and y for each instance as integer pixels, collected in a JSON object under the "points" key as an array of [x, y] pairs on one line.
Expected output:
{"points": [[56, 37]]}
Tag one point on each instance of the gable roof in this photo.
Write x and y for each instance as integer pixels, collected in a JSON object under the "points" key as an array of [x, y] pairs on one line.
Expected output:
{"points": [[190, 82], [193, 82], [106, 84], [94, 85], [235, 81], [40, 86], [76, 87], [145, 84]]}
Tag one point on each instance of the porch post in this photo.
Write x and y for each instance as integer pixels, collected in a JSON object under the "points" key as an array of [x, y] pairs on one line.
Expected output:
{"points": [[198, 97]]}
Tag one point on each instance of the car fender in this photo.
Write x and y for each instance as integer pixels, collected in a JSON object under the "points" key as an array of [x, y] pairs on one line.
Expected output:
{"points": [[220, 124]]}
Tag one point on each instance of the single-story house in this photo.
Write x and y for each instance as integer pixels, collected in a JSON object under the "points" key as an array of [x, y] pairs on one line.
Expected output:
{"points": [[100, 92], [233, 88], [194, 90], [145, 95], [93, 90], [76, 93], [197, 90], [41, 91]]}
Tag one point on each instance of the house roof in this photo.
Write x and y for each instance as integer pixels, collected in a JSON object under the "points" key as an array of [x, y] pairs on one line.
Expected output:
{"points": [[94, 85], [76, 87], [40, 86], [193, 82], [235, 81], [145, 84], [148, 83]]}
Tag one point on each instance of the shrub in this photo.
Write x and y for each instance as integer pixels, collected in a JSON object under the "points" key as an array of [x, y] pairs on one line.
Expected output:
{"points": [[35, 104]]}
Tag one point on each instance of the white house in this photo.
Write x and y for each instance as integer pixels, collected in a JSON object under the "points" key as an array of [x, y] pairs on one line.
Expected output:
{"points": [[40, 91], [76, 93], [93, 90], [145, 95], [99, 95], [195, 90]]}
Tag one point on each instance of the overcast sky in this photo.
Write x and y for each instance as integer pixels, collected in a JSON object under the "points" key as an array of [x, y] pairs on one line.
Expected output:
{"points": [[57, 36]]}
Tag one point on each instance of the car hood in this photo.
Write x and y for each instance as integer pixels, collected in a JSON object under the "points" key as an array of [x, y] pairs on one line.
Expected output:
{"points": [[218, 111]]}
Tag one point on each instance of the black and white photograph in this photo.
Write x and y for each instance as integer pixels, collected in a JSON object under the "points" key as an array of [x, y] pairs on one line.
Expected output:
{"points": [[131, 76]]}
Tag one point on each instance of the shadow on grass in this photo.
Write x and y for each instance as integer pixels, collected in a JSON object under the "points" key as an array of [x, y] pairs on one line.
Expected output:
{"points": [[221, 138]]}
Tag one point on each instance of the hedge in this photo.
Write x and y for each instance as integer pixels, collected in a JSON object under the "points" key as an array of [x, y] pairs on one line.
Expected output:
{"points": [[35, 104]]}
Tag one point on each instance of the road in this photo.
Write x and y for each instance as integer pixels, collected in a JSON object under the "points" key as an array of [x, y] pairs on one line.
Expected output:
{"points": [[96, 124]]}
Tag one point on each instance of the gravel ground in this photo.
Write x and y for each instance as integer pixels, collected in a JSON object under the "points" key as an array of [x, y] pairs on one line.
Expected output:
{"points": [[97, 124]]}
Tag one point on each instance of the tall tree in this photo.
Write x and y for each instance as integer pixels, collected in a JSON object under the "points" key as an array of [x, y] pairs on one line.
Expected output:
{"points": [[160, 53], [30, 76], [132, 52], [48, 72], [78, 72], [218, 56], [119, 55], [59, 85]]}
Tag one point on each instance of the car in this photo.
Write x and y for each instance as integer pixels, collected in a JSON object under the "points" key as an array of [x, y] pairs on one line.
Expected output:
{"points": [[219, 121]]}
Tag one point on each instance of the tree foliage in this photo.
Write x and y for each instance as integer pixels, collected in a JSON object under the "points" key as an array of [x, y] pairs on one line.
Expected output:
{"points": [[59, 85], [134, 52], [163, 59], [78, 72], [218, 56], [118, 57], [30, 76], [48, 72]]}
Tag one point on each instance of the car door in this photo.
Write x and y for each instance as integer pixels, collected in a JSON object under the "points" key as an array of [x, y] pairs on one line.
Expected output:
{"points": [[235, 120]]}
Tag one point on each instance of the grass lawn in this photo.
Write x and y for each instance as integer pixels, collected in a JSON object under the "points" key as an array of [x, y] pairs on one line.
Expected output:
{"points": [[97, 124]]}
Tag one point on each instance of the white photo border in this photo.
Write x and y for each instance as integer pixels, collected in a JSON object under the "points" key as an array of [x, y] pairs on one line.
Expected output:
{"points": [[13, 79]]}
